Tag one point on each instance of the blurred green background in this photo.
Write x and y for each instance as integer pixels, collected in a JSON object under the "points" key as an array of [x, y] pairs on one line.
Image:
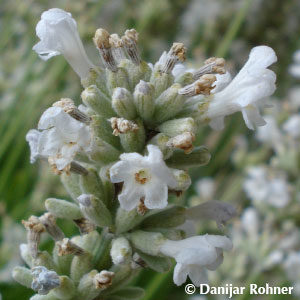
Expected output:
{"points": [[29, 85]]}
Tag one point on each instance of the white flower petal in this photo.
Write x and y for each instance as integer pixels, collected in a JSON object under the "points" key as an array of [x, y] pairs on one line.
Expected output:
{"points": [[253, 83], [130, 196], [252, 117], [157, 196], [32, 137], [58, 33], [180, 274], [197, 275]]}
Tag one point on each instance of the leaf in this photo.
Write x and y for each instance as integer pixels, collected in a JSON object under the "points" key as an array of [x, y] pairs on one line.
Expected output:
{"points": [[156, 263]]}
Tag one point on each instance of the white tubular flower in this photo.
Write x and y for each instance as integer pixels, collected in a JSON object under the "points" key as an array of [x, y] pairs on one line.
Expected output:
{"points": [[145, 177], [294, 69], [32, 137], [194, 254], [292, 126], [60, 137], [260, 187], [253, 83], [270, 133], [206, 188], [58, 33]]}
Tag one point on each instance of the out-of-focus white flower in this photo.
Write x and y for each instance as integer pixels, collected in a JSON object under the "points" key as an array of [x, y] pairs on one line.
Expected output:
{"points": [[218, 211], [295, 67], [260, 187], [205, 188], [60, 137], [294, 98], [270, 133], [292, 126], [58, 34], [250, 222], [244, 93], [145, 177], [292, 268], [274, 258], [194, 254]]}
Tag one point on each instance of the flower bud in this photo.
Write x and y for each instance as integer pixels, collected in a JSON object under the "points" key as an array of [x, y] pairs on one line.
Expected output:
{"points": [[160, 81], [175, 54], [183, 179], [96, 76], [49, 221], [25, 254], [103, 279], [143, 100], [81, 265], [136, 72], [161, 141], [69, 107], [121, 125], [127, 220], [134, 141], [94, 99], [49, 296], [147, 242], [101, 41], [62, 263], [91, 184], [168, 104], [84, 225], [87, 288], [130, 39], [95, 210], [66, 289], [176, 127], [120, 251], [108, 187], [156, 263], [63, 209], [169, 217], [103, 152], [185, 79], [122, 103], [23, 276], [34, 229], [71, 184], [44, 259], [199, 157], [101, 128], [117, 79]]}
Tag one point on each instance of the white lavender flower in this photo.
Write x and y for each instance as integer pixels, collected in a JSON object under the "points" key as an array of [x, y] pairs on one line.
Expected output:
{"points": [[292, 126], [58, 33], [292, 268], [145, 177], [266, 188], [60, 137], [295, 67], [270, 133], [195, 254], [253, 83], [206, 188]]}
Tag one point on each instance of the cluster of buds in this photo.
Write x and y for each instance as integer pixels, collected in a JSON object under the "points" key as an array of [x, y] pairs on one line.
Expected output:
{"points": [[122, 155]]}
